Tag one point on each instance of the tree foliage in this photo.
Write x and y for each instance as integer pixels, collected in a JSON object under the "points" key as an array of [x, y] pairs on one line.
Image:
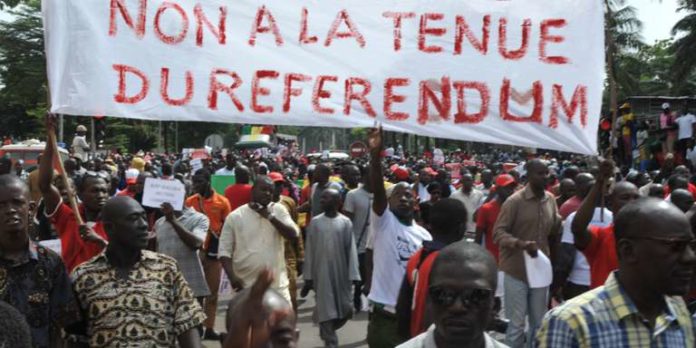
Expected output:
{"points": [[4, 4], [22, 71], [684, 47]]}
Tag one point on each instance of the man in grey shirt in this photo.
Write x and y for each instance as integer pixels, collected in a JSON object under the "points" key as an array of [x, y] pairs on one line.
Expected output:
{"points": [[179, 235], [322, 175], [357, 208]]}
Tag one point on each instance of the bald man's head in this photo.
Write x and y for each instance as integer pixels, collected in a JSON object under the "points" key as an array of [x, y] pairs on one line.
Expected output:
{"points": [[125, 223], [583, 184], [463, 252], [262, 192], [683, 199], [537, 174], [656, 191], [402, 201], [322, 173], [644, 217], [571, 172], [567, 188], [624, 193], [654, 247], [242, 174], [330, 200]]}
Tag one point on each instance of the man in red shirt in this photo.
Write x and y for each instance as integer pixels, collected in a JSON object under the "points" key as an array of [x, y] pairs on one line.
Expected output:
{"points": [[599, 244], [487, 215], [583, 184], [239, 194], [448, 223], [79, 243], [131, 190]]}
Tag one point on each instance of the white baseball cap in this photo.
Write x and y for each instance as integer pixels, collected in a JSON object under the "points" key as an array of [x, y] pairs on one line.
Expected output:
{"points": [[665, 106], [132, 176]]}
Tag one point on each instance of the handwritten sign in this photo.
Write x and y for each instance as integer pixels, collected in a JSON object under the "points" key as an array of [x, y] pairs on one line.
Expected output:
{"points": [[158, 191], [521, 72], [196, 164]]}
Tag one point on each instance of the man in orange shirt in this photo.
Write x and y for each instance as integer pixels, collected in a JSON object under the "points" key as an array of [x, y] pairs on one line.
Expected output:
{"points": [[216, 207], [598, 244]]}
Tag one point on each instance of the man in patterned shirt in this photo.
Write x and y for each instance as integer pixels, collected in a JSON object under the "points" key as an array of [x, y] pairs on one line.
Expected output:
{"points": [[133, 297], [33, 279], [640, 305]]}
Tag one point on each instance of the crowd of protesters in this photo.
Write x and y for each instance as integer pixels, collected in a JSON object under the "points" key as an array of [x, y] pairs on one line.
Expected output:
{"points": [[645, 144], [440, 254]]}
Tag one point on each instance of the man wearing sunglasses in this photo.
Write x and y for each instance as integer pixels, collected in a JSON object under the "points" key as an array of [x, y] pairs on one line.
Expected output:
{"points": [[461, 296], [641, 304]]}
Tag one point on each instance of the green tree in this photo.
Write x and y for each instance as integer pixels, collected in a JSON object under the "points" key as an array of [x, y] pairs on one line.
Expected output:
{"points": [[646, 71], [22, 71], [4, 4], [23, 92], [622, 36], [684, 48]]}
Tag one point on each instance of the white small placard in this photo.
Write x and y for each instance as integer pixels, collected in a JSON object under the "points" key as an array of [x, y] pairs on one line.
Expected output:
{"points": [[539, 271], [158, 191], [196, 164]]}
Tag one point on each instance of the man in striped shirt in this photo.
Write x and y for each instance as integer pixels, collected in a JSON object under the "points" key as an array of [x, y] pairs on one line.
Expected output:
{"points": [[640, 305]]}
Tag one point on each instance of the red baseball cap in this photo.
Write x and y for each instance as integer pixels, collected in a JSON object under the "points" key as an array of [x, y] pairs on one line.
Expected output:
{"points": [[276, 177], [401, 173], [504, 180]]}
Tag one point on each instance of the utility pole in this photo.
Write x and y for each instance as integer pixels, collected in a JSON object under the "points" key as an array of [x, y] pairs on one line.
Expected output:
{"points": [[176, 136], [159, 136], [92, 130], [61, 129]]}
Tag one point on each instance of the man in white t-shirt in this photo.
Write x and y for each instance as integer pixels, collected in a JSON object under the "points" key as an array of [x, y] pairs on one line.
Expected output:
{"points": [[578, 280], [473, 200], [685, 122], [425, 177], [228, 169], [394, 237]]}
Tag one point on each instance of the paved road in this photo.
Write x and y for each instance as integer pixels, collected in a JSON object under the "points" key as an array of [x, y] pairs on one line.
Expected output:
{"points": [[352, 335]]}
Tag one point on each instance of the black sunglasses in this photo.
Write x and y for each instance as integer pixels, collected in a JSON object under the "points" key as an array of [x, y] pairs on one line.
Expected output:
{"points": [[677, 245], [469, 297]]}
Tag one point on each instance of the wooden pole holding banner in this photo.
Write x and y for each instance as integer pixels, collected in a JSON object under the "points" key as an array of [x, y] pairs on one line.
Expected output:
{"points": [[64, 177], [56, 158], [56, 155]]}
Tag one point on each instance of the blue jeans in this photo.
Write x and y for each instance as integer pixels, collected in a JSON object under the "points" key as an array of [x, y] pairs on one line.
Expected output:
{"points": [[521, 303]]}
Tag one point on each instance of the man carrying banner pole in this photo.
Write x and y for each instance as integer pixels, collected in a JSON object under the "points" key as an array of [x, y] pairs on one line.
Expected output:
{"points": [[80, 239]]}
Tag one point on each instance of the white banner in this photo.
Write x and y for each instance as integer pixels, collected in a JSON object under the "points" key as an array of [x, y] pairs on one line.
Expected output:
{"points": [[522, 72]]}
